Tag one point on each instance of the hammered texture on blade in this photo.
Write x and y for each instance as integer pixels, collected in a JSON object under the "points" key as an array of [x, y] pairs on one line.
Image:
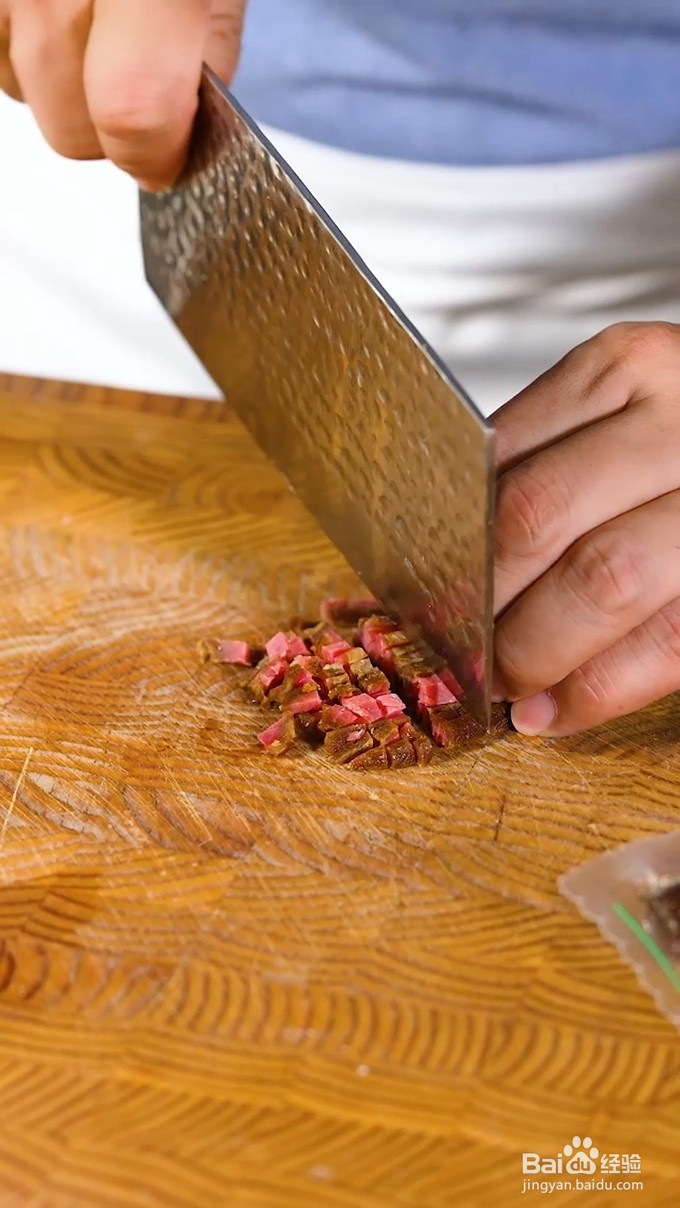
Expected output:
{"points": [[386, 452]]}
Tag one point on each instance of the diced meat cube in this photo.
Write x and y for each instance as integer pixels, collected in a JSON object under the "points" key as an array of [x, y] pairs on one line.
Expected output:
{"points": [[296, 646], [334, 716], [390, 704], [268, 674], [336, 682], [376, 757], [322, 635], [385, 731], [401, 754], [447, 723], [348, 612], [296, 678], [224, 651], [451, 682], [364, 706], [279, 737], [277, 646], [433, 691], [331, 652], [234, 652], [306, 702], [308, 726], [344, 744], [374, 682], [423, 749]]}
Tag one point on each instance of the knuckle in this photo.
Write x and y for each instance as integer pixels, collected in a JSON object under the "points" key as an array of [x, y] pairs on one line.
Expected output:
{"points": [[634, 343], [530, 513], [136, 106], [607, 572]]}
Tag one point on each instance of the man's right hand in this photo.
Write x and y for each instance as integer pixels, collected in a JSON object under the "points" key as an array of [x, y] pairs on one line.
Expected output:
{"points": [[117, 79]]}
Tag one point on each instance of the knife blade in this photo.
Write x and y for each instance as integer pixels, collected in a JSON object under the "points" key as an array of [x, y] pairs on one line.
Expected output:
{"points": [[380, 442]]}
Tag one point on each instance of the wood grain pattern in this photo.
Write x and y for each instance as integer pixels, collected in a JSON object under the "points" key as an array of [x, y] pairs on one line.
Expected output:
{"points": [[232, 980]]}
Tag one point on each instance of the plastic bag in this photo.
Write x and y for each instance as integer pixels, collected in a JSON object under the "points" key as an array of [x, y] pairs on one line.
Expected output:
{"points": [[633, 895]]}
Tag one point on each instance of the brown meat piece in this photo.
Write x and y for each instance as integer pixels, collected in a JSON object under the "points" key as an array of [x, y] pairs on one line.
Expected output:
{"points": [[401, 754], [453, 726], [343, 744], [372, 680], [336, 682], [377, 757], [308, 726], [386, 730], [423, 749]]}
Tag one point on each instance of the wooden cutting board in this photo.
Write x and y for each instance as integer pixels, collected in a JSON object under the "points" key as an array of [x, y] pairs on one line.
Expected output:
{"points": [[230, 980]]}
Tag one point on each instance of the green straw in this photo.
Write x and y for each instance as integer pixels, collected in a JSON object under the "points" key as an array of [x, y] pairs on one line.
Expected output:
{"points": [[659, 956]]}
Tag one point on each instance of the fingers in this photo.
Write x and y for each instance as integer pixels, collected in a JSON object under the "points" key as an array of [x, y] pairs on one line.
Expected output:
{"points": [[641, 668], [224, 37], [606, 585], [142, 70], [47, 45], [8, 80], [553, 498], [594, 380]]}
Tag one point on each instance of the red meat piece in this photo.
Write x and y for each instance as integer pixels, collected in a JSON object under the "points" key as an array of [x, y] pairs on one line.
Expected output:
{"points": [[271, 674], [364, 706], [233, 652], [278, 737], [277, 646], [306, 702], [433, 691], [331, 652], [347, 612]]}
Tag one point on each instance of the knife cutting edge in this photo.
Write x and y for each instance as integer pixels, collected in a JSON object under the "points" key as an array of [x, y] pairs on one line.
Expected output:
{"points": [[383, 446]]}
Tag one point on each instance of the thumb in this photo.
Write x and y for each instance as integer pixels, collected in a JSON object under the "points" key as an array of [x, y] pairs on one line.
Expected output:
{"points": [[224, 37]]}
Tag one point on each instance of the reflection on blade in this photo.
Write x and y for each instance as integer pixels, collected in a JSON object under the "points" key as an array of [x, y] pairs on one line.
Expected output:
{"points": [[386, 451]]}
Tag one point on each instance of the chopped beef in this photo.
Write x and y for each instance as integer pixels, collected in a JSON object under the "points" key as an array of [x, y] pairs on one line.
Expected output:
{"points": [[306, 701], [277, 646], [285, 645], [375, 757], [334, 716], [432, 691], [344, 744], [308, 726], [332, 652], [295, 678], [348, 612], [268, 674], [321, 635], [385, 731], [355, 698], [401, 754], [390, 704], [362, 705], [336, 682], [278, 737], [225, 651]]}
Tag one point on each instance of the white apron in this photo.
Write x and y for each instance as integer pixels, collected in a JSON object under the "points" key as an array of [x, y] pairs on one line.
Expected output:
{"points": [[503, 269]]}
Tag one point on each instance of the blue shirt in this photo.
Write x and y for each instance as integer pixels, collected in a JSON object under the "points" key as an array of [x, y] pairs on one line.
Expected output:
{"points": [[467, 81]]}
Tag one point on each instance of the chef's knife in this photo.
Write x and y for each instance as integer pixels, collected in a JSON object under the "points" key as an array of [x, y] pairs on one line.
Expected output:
{"points": [[383, 446]]}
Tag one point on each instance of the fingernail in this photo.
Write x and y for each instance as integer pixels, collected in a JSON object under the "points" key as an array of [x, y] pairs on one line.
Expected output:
{"points": [[534, 714]]}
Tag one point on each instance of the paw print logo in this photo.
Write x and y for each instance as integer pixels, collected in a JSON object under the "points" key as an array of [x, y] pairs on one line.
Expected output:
{"points": [[581, 1155]]}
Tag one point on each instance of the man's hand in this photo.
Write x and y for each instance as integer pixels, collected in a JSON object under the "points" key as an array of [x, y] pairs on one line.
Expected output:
{"points": [[588, 533], [117, 79]]}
